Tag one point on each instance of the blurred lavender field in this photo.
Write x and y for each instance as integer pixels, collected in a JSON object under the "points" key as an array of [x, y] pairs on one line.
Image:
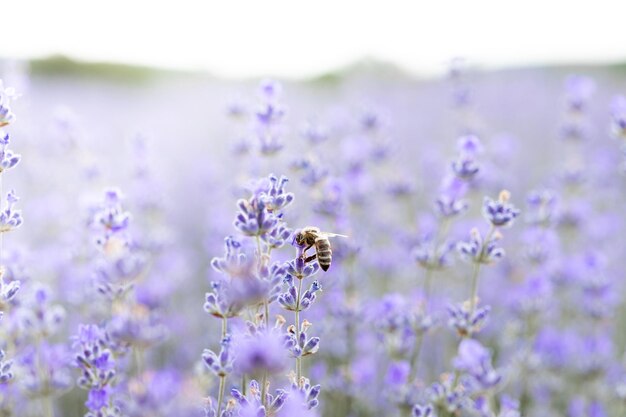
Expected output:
{"points": [[482, 274]]}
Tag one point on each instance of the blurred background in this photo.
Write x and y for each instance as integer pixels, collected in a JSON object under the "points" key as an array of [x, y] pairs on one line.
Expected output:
{"points": [[282, 38], [165, 101]]}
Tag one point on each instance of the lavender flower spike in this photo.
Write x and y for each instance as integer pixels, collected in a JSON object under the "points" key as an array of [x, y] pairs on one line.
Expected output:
{"points": [[10, 219]]}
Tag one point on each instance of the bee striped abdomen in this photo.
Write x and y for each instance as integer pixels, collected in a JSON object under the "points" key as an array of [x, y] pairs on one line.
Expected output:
{"points": [[324, 253]]}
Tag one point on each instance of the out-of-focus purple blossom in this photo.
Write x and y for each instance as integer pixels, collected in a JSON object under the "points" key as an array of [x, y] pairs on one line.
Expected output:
{"points": [[235, 263], [423, 411], [7, 94], [221, 303], [465, 167], [401, 188], [618, 117], [276, 198], [430, 257], [461, 92], [10, 219], [500, 212], [269, 116], [578, 89], [314, 134], [305, 392], [541, 207], [8, 290], [111, 222], [482, 252], [451, 399], [540, 245], [332, 201], [475, 361], [137, 325], [599, 297], [263, 351], [262, 211], [155, 394], [509, 407], [45, 370], [39, 317], [251, 405], [296, 406], [8, 159], [278, 236], [94, 357], [5, 368], [115, 277], [467, 322], [534, 295], [397, 373], [220, 364], [447, 206]]}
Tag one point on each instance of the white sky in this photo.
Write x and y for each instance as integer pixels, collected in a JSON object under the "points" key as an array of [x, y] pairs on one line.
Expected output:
{"points": [[301, 38]]}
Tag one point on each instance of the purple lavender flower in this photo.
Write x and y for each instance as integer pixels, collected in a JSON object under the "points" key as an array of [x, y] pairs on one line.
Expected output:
{"points": [[305, 392], [423, 411], [6, 95], [261, 213], [482, 252], [253, 406], [500, 213], [8, 159], [467, 322], [579, 90], [7, 291], [235, 263], [45, 370], [452, 399], [220, 364], [5, 368], [269, 116], [94, 357], [618, 117], [10, 219], [111, 222], [475, 361], [314, 133], [465, 167], [431, 252], [263, 351], [288, 299], [541, 207], [298, 343]]}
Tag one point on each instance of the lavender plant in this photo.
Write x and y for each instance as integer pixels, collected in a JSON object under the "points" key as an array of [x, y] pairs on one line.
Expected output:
{"points": [[442, 303]]}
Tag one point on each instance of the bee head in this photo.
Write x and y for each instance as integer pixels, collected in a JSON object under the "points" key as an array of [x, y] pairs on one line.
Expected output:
{"points": [[298, 237]]}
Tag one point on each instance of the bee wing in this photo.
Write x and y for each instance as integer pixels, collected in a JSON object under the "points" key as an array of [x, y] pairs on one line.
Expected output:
{"points": [[334, 235]]}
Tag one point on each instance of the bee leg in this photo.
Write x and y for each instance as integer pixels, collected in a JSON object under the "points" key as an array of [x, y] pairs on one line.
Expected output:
{"points": [[310, 258], [306, 249]]}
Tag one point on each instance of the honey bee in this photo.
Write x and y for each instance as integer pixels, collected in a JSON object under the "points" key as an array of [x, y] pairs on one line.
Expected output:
{"points": [[313, 237]]}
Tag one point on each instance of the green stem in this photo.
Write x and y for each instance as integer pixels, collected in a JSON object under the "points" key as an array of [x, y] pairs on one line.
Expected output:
{"points": [[264, 389], [222, 386], [413, 361], [417, 347], [138, 356], [474, 289], [47, 406], [426, 290], [224, 327], [220, 397], [298, 359], [474, 279]]}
